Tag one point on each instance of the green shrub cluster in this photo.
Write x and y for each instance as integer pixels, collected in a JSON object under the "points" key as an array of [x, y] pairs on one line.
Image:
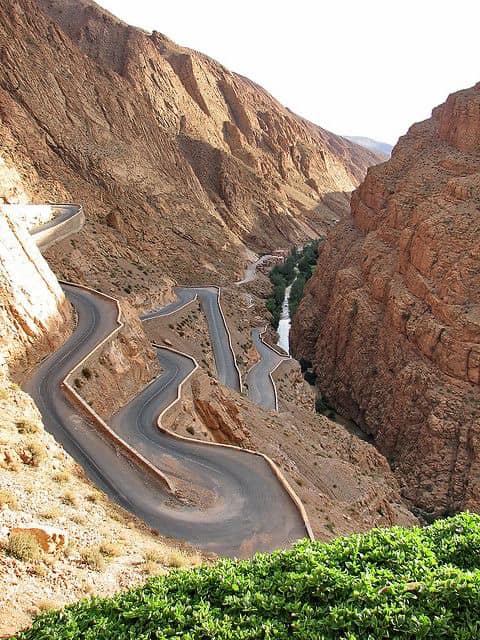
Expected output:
{"points": [[387, 583], [306, 264], [297, 269]]}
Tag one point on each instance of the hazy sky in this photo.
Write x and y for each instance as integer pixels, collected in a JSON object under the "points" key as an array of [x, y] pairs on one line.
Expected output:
{"points": [[370, 67]]}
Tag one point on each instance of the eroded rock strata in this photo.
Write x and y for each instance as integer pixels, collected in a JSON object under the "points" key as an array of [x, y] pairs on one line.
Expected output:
{"points": [[34, 313], [391, 319], [170, 153]]}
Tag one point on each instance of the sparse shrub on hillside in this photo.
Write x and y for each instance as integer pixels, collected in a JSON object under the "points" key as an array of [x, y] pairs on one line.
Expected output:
{"points": [[111, 549], [155, 554], [151, 568], [24, 546], [176, 558], [70, 498], [93, 558], [94, 497], [46, 604], [62, 476], [35, 453], [28, 426], [8, 498], [387, 583], [51, 513]]}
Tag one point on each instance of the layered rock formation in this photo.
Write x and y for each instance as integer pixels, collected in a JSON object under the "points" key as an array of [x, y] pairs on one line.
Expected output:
{"points": [[171, 154], [391, 319], [33, 309]]}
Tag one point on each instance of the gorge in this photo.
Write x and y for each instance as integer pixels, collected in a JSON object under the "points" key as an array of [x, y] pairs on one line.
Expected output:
{"points": [[161, 217]]}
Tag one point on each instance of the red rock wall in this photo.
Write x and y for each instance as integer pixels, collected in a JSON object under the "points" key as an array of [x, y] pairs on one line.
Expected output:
{"points": [[391, 319]]}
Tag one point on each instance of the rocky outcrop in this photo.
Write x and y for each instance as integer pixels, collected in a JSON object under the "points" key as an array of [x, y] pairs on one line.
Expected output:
{"points": [[169, 153], [49, 538], [117, 371], [344, 483], [391, 319], [33, 309]]}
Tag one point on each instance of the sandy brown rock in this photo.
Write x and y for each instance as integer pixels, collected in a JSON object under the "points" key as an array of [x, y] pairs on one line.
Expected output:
{"points": [[49, 538], [171, 154], [34, 314], [391, 319], [118, 371]]}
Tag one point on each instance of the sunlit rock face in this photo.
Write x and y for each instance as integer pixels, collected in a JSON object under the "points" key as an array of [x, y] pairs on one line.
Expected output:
{"points": [[29, 216], [33, 308], [391, 319]]}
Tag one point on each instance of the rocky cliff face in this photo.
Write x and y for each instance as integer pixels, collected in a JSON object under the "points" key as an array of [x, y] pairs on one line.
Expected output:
{"points": [[170, 153], [33, 309], [391, 319]]}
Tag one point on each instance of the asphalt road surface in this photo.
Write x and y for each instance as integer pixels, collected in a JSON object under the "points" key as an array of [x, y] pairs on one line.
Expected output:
{"points": [[261, 388], [185, 296], [224, 357], [69, 219], [236, 507]]}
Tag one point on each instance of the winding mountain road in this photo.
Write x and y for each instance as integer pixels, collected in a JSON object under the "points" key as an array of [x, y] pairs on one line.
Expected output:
{"points": [[69, 219], [246, 508], [259, 382], [227, 370], [185, 296], [261, 388], [229, 501]]}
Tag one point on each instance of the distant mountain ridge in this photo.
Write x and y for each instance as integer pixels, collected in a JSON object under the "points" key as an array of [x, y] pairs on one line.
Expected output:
{"points": [[382, 148]]}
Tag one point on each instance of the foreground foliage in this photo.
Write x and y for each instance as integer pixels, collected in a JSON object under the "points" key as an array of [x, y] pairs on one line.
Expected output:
{"points": [[387, 583]]}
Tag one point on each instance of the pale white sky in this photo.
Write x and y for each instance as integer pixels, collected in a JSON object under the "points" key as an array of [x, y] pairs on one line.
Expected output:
{"points": [[369, 68]]}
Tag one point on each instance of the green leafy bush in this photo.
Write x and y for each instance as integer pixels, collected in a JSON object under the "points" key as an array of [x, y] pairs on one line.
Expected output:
{"points": [[297, 269], [387, 583]]}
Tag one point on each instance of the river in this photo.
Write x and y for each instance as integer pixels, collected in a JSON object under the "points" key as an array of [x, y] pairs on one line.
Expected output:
{"points": [[284, 323]]}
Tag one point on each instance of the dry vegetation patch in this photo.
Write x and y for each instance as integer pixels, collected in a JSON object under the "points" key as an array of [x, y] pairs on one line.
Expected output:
{"points": [[45, 488]]}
